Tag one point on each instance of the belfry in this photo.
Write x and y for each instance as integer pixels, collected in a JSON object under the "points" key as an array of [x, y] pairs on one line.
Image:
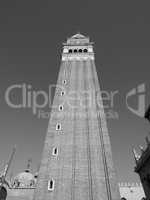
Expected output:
{"points": [[77, 160]]}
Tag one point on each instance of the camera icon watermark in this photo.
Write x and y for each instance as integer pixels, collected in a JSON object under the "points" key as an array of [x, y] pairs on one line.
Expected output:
{"points": [[140, 94]]}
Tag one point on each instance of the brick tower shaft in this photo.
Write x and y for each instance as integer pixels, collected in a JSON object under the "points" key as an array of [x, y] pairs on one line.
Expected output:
{"points": [[77, 161]]}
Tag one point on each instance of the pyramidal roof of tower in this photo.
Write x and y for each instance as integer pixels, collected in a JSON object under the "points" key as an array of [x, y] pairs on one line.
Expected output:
{"points": [[78, 39], [78, 36]]}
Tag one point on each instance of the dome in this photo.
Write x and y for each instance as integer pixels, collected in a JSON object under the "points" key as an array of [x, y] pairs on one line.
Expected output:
{"points": [[25, 176], [24, 179]]}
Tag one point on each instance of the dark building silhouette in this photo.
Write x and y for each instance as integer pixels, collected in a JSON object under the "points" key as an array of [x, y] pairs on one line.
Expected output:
{"points": [[143, 168], [3, 193]]}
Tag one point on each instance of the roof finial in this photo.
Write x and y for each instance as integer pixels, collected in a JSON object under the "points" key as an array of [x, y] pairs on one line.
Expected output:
{"points": [[29, 164], [37, 172]]}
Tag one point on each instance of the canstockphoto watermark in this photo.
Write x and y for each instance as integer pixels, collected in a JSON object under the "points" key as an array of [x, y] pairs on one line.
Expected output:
{"points": [[20, 96]]}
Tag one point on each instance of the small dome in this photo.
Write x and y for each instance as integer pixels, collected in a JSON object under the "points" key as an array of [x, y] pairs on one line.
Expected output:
{"points": [[24, 179], [25, 176]]}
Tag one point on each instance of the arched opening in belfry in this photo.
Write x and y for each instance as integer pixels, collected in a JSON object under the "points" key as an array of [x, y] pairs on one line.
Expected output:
{"points": [[85, 50], [70, 50], [75, 50]]}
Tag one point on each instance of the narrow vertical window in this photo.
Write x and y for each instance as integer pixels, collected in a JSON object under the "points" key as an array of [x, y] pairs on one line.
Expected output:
{"points": [[61, 107], [51, 185], [62, 93], [58, 127], [55, 151], [64, 81]]}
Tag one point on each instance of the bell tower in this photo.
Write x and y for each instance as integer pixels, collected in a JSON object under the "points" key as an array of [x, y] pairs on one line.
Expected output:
{"points": [[77, 160]]}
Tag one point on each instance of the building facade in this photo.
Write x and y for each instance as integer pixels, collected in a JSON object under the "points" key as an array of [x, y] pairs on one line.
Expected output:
{"points": [[129, 191], [77, 158], [143, 167]]}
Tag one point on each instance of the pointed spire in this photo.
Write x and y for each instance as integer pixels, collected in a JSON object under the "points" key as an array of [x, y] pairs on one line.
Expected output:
{"points": [[7, 166], [135, 154]]}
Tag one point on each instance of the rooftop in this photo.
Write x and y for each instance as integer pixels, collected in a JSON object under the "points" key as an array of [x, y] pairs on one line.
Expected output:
{"points": [[77, 40]]}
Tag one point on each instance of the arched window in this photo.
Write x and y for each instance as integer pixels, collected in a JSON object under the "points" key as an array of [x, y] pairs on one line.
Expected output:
{"points": [[75, 51], [64, 81], [61, 107], [80, 50], [58, 127], [62, 93], [55, 151], [51, 185], [85, 50], [70, 50]]}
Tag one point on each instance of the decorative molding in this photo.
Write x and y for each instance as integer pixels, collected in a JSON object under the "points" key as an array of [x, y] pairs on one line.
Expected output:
{"points": [[126, 184], [77, 57]]}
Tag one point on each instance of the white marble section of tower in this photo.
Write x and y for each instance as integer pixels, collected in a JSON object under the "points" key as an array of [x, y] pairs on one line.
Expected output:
{"points": [[78, 47], [77, 161]]}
